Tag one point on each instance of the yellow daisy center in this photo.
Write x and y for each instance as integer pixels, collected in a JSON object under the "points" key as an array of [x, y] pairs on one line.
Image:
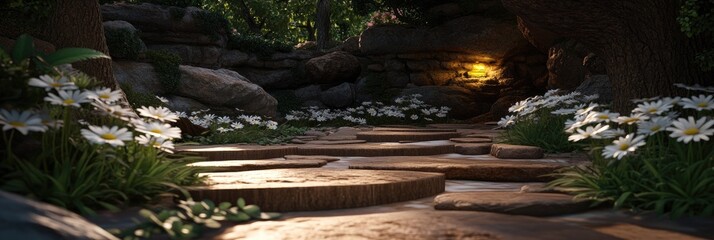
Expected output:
{"points": [[631, 120], [156, 130], [108, 136], [702, 104], [17, 124], [104, 96], [603, 116], [55, 84], [652, 110], [655, 128], [691, 131], [68, 101], [624, 146]]}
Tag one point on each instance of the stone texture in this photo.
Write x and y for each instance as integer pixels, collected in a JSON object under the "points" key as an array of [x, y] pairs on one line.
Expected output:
{"points": [[238, 152], [540, 38], [333, 67], [597, 84], [489, 38], [310, 92], [139, 76], [565, 65], [516, 151], [375, 149], [470, 140], [270, 79], [152, 18], [413, 225], [386, 136], [412, 129], [205, 56], [338, 96], [472, 148], [248, 165], [184, 104], [531, 204], [24, 218], [318, 189], [461, 101], [337, 142], [233, 58], [225, 88], [312, 157], [466, 169]]}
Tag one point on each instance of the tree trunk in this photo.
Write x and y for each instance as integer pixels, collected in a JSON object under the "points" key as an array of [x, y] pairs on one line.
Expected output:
{"points": [[323, 24], [78, 23], [640, 41], [253, 25]]}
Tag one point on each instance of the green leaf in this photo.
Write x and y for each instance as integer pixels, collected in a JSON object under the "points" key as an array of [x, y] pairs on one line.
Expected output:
{"points": [[23, 49], [269, 216], [622, 199], [70, 55], [252, 210], [240, 203], [238, 217], [224, 205]]}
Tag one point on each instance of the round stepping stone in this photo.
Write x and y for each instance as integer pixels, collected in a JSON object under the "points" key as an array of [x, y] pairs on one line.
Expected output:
{"points": [[470, 140], [466, 169], [489, 135], [383, 136], [312, 157], [516, 151], [375, 149], [531, 204], [451, 126], [412, 129], [413, 225], [247, 165], [239, 152], [336, 142], [318, 189], [472, 148]]}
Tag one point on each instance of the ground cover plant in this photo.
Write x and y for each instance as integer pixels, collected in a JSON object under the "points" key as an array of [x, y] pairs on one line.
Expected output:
{"points": [[68, 142], [657, 158], [537, 121], [240, 129]]}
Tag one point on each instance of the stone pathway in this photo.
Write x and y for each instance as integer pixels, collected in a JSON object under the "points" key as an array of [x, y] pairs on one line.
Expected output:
{"points": [[443, 181]]}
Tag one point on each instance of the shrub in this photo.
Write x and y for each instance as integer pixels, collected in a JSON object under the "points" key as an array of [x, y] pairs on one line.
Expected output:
{"points": [[123, 43], [536, 122], [662, 159], [212, 24], [287, 101], [257, 44], [137, 99], [166, 64], [240, 129]]}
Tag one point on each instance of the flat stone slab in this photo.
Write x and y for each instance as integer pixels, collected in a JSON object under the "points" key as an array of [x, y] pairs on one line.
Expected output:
{"points": [[312, 157], [385, 136], [335, 142], [531, 204], [472, 148], [413, 225], [248, 165], [452, 126], [466, 169], [318, 189], [395, 129], [239, 152], [516, 151], [343, 133], [375, 149], [471, 140]]}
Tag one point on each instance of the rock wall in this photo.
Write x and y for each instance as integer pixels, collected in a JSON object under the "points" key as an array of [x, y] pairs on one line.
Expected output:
{"points": [[466, 63]]}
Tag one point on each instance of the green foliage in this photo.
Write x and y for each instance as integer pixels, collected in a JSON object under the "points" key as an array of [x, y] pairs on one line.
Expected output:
{"points": [[257, 44], [27, 13], [137, 99], [192, 218], [123, 43], [545, 130], [252, 134], [696, 18], [166, 64], [211, 23]]}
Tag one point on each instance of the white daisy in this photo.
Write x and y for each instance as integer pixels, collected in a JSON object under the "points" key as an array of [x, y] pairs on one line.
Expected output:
{"points": [[654, 125], [272, 125], [114, 110], [224, 130], [701, 102], [564, 111], [162, 99], [414, 117], [158, 113], [158, 129], [519, 106], [635, 118], [156, 142], [654, 108], [589, 132], [604, 116], [24, 122], [689, 130], [47, 82], [587, 110], [611, 133], [507, 121], [623, 146], [104, 94], [114, 136], [67, 98]]}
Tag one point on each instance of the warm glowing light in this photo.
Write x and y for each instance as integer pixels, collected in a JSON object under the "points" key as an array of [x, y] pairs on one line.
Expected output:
{"points": [[479, 70]]}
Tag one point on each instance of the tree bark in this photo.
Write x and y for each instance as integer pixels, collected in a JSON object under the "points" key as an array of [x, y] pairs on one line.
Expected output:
{"points": [[323, 24], [640, 41]]}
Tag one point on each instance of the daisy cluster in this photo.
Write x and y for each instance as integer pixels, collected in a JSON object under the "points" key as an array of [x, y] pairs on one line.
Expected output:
{"points": [[407, 108], [224, 124], [549, 102], [151, 129], [653, 117]]}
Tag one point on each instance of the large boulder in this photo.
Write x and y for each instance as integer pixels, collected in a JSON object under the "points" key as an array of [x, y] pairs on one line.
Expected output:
{"points": [[141, 77], [23, 218], [339, 96], [487, 38], [460, 100], [225, 88], [123, 39], [270, 78], [565, 65], [597, 84], [206, 56], [333, 67]]}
